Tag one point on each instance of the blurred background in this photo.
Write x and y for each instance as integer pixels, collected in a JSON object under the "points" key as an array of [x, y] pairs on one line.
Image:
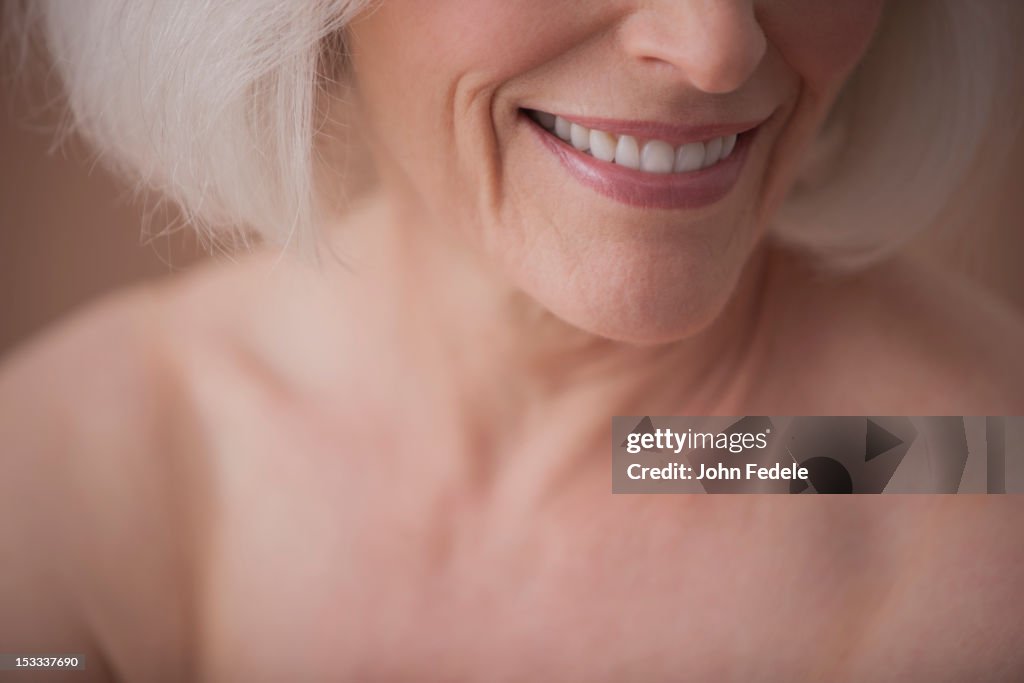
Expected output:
{"points": [[69, 231]]}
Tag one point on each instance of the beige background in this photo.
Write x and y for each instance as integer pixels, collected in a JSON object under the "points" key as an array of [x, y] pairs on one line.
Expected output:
{"points": [[69, 231]]}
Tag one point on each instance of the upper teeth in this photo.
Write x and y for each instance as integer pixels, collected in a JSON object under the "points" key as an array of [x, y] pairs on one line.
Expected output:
{"points": [[656, 156]]}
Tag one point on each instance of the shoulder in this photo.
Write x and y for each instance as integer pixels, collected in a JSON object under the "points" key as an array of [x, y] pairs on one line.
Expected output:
{"points": [[103, 375], [102, 456], [121, 368], [107, 424], [96, 372], [903, 338], [267, 322], [79, 407]]}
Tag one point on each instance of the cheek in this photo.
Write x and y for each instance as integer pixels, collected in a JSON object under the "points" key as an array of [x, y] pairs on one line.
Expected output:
{"points": [[424, 42], [426, 72], [491, 38], [821, 40]]}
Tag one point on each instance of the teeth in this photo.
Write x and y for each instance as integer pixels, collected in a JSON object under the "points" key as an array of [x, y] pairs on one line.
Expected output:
{"points": [[728, 146], [580, 137], [602, 145], [627, 153], [657, 156], [562, 128], [712, 152], [689, 157]]}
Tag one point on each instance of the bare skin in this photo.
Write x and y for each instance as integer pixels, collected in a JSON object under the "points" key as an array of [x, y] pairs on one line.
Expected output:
{"points": [[396, 468], [266, 471]]}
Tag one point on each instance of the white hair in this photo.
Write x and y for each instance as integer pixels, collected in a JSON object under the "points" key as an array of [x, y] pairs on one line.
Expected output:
{"points": [[215, 104], [931, 109]]}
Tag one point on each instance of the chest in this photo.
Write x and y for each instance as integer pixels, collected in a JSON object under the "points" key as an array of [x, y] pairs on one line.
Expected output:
{"points": [[387, 568]]}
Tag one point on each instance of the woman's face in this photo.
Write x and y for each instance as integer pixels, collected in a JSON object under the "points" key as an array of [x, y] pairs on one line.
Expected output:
{"points": [[685, 123]]}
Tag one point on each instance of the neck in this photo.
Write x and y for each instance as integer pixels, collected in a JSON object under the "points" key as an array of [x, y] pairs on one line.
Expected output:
{"points": [[500, 359]]}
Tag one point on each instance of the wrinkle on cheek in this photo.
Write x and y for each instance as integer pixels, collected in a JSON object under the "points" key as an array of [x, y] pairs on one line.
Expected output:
{"points": [[821, 41], [478, 153]]}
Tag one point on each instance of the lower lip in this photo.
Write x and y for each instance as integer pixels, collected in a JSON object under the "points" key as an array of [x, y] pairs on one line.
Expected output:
{"points": [[691, 190]]}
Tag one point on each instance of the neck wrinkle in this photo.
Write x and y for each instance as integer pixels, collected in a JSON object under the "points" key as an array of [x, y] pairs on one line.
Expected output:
{"points": [[505, 365]]}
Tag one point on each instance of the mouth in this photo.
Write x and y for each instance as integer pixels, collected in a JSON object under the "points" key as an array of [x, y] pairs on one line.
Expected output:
{"points": [[647, 164]]}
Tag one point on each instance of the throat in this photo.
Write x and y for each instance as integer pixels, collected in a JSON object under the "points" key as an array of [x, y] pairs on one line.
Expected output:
{"points": [[496, 361]]}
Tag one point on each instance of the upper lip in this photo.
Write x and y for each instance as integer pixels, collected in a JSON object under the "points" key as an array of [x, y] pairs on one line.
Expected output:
{"points": [[672, 133]]}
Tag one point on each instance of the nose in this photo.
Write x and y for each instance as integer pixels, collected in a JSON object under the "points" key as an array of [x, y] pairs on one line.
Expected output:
{"points": [[714, 45]]}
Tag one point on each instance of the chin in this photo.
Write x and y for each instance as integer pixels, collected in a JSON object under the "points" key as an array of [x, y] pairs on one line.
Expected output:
{"points": [[643, 300]]}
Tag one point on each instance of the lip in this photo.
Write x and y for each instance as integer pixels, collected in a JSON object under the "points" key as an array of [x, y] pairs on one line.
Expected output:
{"points": [[692, 190]]}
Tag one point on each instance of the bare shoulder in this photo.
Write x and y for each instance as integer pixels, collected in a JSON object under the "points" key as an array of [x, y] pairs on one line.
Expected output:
{"points": [[902, 338], [269, 322], [106, 421], [83, 496], [103, 452]]}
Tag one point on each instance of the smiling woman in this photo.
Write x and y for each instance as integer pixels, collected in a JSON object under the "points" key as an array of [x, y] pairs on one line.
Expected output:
{"points": [[576, 210]]}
